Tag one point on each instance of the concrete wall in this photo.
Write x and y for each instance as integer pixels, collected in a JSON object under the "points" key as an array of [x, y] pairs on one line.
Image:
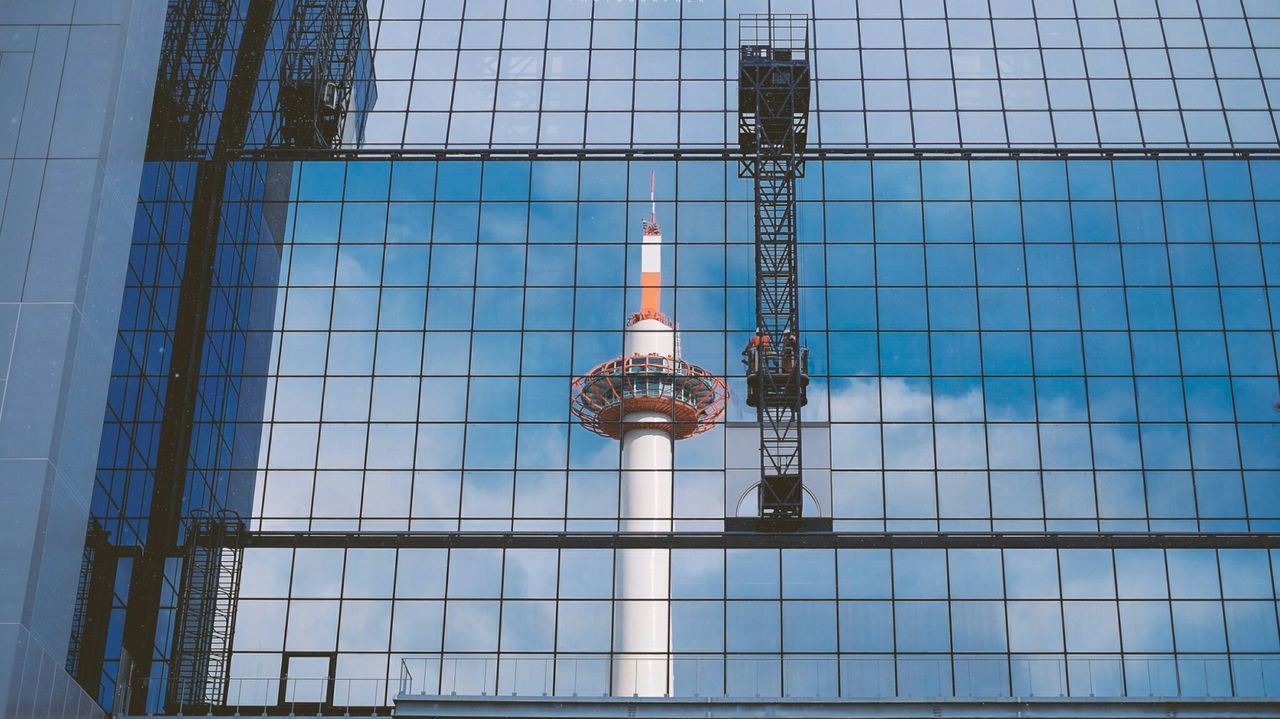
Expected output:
{"points": [[76, 80]]}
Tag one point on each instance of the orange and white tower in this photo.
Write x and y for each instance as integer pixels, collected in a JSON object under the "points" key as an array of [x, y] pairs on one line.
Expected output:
{"points": [[647, 398]]}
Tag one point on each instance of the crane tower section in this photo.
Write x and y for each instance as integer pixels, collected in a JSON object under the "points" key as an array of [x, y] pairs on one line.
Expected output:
{"points": [[318, 70], [773, 116]]}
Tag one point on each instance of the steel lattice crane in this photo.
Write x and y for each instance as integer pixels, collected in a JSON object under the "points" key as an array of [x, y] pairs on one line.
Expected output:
{"points": [[773, 116]]}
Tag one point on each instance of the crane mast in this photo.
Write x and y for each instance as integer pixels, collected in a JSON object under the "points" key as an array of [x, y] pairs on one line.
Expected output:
{"points": [[773, 110]]}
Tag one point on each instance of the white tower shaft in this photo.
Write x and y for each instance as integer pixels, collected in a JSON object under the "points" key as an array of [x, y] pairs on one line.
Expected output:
{"points": [[642, 664]]}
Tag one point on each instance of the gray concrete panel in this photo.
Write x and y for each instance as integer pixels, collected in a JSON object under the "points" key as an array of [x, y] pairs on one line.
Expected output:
{"points": [[17, 225], [58, 247], [42, 91], [15, 70], [89, 78], [78, 79]]}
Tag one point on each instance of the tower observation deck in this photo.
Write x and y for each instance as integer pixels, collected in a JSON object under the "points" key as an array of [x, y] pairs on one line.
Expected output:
{"points": [[647, 398], [650, 378]]}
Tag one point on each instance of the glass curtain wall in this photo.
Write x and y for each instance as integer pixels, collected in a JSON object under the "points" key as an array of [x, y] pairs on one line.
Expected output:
{"points": [[1029, 346], [983, 73]]}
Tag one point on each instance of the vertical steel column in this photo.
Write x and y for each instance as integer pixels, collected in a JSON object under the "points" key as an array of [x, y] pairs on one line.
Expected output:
{"points": [[166, 511]]}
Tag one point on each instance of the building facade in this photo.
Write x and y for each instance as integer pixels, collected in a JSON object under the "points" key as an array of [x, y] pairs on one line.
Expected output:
{"points": [[155, 603], [1036, 285], [1037, 260], [76, 83]]}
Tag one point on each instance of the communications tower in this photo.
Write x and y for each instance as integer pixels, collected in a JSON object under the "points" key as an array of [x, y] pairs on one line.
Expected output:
{"points": [[647, 398]]}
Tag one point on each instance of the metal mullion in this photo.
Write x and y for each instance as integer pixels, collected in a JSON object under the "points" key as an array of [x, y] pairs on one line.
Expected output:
{"points": [[1053, 129], [1253, 47], [1177, 96], [453, 85], [586, 92], [879, 370], [1222, 316], [1062, 620], [955, 90], [1272, 312], [811, 29], [471, 357], [288, 609], [838, 601], [520, 373], [724, 618], [502, 603], [542, 92], [866, 123], [911, 112], [635, 63], [1093, 106], [893, 615], [1084, 379], [928, 324], [394, 602], [1133, 93], [1217, 86], [373, 371], [782, 647], [1173, 632], [435, 188], [493, 112], [951, 634], [1128, 332], [1004, 607], [1177, 332], [982, 371], [1226, 627], [1123, 650], [1035, 393]]}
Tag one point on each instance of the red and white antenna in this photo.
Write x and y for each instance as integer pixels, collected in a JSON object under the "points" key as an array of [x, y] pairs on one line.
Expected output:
{"points": [[651, 226]]}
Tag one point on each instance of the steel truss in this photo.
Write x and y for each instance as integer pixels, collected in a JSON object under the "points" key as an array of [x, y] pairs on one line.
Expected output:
{"points": [[206, 616], [773, 111], [89, 623], [194, 38], [317, 71]]}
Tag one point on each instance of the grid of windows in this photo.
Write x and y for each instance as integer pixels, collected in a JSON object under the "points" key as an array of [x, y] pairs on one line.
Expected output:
{"points": [[862, 623], [571, 73], [229, 399], [1033, 345], [995, 345]]}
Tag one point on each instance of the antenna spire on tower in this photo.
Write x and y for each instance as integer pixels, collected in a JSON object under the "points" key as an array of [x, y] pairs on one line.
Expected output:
{"points": [[653, 204]]}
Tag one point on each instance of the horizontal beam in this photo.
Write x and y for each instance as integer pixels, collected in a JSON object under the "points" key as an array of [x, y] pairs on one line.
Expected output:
{"points": [[609, 708], [735, 540], [733, 153]]}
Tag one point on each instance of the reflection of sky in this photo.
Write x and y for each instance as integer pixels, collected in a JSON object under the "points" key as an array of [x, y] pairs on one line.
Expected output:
{"points": [[917, 279], [1016, 600], [664, 73]]}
